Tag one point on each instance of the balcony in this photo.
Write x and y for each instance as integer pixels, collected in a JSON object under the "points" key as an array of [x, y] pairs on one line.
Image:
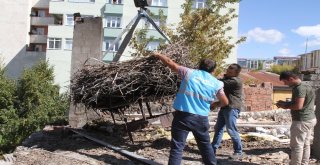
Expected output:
{"points": [[36, 54], [114, 8], [42, 21], [38, 39], [112, 32]]}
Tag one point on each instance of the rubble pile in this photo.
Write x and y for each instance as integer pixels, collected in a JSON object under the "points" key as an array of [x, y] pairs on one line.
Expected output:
{"points": [[117, 85]]}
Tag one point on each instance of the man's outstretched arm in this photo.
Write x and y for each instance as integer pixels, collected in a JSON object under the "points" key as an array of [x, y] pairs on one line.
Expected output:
{"points": [[167, 61]]}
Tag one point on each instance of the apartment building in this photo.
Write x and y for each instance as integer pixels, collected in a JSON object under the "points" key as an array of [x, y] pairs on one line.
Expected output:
{"points": [[255, 64], [310, 61], [16, 38], [283, 60], [116, 16]]}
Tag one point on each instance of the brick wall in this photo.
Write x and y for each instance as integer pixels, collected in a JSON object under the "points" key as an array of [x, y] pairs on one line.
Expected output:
{"points": [[258, 97]]}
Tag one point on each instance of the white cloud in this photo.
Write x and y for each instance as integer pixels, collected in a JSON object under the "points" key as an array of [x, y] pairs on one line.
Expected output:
{"points": [[308, 31], [271, 36], [311, 32]]}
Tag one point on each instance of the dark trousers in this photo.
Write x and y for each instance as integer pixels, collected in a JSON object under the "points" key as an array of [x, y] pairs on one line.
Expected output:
{"points": [[227, 117], [182, 124]]}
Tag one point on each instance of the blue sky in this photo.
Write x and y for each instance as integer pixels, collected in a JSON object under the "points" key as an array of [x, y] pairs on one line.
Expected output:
{"points": [[278, 27]]}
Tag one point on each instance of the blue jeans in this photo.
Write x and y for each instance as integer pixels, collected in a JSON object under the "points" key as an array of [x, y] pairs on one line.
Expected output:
{"points": [[227, 117], [182, 124]]}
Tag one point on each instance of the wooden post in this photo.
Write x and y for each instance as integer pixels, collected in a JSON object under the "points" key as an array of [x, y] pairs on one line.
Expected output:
{"points": [[141, 108]]}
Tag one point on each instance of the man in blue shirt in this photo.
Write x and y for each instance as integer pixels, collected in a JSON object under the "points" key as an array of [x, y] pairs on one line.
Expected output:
{"points": [[198, 90]]}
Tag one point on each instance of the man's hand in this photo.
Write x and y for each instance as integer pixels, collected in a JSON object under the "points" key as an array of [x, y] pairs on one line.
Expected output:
{"points": [[282, 104], [156, 54], [214, 105], [166, 61]]}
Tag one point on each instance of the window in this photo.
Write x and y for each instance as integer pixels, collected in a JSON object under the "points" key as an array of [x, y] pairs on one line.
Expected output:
{"points": [[113, 21], [40, 31], [68, 44], [115, 1], [37, 31], [69, 20], [199, 4], [159, 3], [153, 45], [107, 43], [41, 13], [81, 1], [54, 43]]}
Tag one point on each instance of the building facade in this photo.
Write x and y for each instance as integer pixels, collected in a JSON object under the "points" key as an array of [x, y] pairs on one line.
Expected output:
{"points": [[116, 14], [282, 60], [43, 29], [23, 30], [255, 64], [310, 61]]}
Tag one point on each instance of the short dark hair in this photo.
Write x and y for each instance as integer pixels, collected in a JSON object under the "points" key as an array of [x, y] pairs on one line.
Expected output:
{"points": [[285, 75], [207, 65], [237, 67]]}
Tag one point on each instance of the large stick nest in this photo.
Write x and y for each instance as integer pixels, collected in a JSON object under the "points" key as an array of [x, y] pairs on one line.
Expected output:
{"points": [[116, 85]]}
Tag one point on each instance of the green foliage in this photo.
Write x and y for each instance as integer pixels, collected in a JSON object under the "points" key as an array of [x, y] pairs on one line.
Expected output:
{"points": [[204, 31], [260, 65], [36, 103], [140, 40], [280, 68], [7, 88]]}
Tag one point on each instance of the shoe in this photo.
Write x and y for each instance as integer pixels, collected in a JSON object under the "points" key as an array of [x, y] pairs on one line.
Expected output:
{"points": [[236, 156]]}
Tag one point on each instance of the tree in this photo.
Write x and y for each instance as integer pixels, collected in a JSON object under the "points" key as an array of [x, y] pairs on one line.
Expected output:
{"points": [[204, 30], [280, 68], [140, 40], [7, 89], [38, 96], [260, 65], [31, 104]]}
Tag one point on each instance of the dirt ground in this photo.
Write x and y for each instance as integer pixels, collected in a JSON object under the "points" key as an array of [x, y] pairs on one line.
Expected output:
{"points": [[60, 146]]}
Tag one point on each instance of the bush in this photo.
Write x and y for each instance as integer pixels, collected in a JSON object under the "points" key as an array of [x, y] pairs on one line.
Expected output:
{"points": [[30, 105], [280, 68]]}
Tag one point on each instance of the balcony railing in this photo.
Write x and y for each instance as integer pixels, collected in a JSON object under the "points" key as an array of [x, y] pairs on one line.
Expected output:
{"points": [[36, 54], [38, 39], [42, 21], [114, 8]]}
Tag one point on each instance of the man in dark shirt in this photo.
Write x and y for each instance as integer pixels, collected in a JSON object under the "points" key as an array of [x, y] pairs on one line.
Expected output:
{"points": [[228, 115], [303, 117]]}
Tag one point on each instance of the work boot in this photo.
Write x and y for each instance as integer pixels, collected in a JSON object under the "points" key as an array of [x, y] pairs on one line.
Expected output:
{"points": [[236, 156]]}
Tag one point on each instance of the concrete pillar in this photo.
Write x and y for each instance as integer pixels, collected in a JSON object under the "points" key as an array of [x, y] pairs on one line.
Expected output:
{"points": [[87, 43], [316, 141]]}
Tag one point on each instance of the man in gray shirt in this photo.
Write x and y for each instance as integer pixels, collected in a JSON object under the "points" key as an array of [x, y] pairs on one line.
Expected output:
{"points": [[227, 116], [303, 117]]}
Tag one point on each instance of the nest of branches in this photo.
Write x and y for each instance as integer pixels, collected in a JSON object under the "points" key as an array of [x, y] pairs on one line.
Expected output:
{"points": [[117, 85]]}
